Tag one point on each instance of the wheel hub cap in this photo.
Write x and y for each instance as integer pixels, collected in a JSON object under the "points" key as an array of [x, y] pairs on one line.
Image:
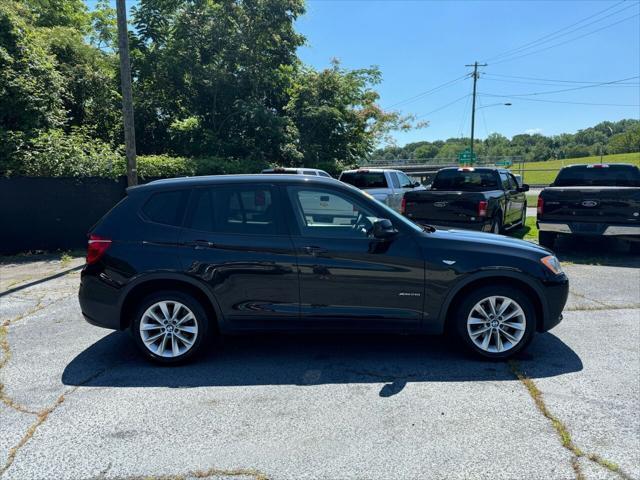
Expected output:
{"points": [[496, 324], [168, 329]]}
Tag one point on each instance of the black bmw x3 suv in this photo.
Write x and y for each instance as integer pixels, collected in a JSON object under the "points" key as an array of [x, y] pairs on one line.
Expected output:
{"points": [[180, 260]]}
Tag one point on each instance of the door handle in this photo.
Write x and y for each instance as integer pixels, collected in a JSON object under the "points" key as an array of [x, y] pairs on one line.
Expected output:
{"points": [[200, 244], [314, 251]]}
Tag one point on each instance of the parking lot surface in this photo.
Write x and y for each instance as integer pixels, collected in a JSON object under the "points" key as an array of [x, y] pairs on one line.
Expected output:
{"points": [[80, 402]]}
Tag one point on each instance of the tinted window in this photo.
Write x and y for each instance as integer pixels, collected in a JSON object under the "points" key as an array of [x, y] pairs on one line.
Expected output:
{"points": [[599, 176], [467, 180], [308, 172], [329, 214], [324, 174], [506, 181], [241, 209], [364, 179], [166, 207]]}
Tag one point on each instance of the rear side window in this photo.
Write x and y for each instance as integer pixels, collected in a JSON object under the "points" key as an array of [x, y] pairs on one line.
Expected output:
{"points": [[598, 176], [364, 179], [394, 180], [308, 172], [242, 210], [166, 207]]}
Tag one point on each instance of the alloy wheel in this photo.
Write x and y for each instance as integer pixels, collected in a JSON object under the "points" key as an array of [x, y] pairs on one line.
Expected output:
{"points": [[496, 324], [168, 329]]}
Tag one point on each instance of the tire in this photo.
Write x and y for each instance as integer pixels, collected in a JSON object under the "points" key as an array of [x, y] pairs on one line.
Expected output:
{"points": [[547, 239], [496, 224], [523, 217], [169, 343], [514, 334]]}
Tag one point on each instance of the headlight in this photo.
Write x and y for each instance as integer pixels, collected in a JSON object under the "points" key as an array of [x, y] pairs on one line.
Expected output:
{"points": [[552, 263]]}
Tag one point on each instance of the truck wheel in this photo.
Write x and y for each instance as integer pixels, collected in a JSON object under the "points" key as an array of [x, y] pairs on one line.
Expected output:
{"points": [[496, 224], [547, 239]]}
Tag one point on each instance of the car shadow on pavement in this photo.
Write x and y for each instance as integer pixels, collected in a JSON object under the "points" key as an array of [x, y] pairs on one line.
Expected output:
{"points": [[596, 251], [393, 360]]}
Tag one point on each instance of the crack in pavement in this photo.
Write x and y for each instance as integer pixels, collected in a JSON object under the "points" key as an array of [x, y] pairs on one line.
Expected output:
{"points": [[210, 473], [561, 429]]}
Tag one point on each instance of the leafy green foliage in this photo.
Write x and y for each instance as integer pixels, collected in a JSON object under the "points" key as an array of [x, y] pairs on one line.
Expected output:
{"points": [[606, 137]]}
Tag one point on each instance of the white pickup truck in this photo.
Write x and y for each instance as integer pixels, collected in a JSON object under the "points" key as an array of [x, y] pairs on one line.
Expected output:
{"points": [[386, 186]]}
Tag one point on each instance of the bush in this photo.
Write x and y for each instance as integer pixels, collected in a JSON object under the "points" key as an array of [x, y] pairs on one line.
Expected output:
{"points": [[56, 153], [154, 166]]}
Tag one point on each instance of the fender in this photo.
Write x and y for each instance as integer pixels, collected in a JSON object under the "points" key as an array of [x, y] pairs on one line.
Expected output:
{"points": [[491, 273], [202, 287]]}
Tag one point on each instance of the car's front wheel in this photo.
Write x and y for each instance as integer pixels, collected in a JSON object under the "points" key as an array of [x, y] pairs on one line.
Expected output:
{"points": [[496, 322], [169, 326]]}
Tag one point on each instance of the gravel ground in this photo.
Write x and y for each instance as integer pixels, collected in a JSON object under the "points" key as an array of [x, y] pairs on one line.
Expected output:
{"points": [[80, 402]]}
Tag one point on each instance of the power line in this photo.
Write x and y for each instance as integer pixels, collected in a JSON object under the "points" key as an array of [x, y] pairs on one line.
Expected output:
{"points": [[465, 112], [428, 92], [571, 89], [443, 106], [538, 78], [566, 41], [557, 84], [562, 101], [551, 36], [484, 118]]}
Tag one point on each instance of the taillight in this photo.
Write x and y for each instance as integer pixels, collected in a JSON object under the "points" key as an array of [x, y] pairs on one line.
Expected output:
{"points": [[540, 206], [403, 206], [482, 208], [96, 247]]}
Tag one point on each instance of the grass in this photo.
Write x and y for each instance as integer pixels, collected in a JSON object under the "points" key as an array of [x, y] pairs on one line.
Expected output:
{"points": [[533, 177], [528, 232]]}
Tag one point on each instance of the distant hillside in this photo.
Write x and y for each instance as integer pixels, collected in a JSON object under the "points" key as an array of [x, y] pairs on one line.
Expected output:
{"points": [[606, 137]]}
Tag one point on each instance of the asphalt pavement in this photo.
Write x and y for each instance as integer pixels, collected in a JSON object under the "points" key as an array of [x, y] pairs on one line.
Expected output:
{"points": [[80, 402]]}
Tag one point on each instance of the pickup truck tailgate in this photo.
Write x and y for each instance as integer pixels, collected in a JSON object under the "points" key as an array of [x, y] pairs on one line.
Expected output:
{"points": [[432, 206], [592, 204]]}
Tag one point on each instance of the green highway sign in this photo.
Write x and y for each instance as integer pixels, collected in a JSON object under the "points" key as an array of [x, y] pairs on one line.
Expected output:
{"points": [[467, 157], [504, 163]]}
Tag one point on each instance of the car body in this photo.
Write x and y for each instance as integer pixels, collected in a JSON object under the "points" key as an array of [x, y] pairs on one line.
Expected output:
{"points": [[485, 199], [385, 185], [259, 261], [297, 171], [591, 200]]}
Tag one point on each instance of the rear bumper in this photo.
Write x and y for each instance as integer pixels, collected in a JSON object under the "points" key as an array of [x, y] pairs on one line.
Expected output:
{"points": [[556, 294], [99, 302], [586, 228]]}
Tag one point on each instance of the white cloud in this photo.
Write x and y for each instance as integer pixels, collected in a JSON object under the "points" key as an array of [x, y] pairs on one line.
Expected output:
{"points": [[533, 131]]}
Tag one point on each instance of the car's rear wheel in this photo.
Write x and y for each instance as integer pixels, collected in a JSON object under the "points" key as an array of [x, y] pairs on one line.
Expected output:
{"points": [[170, 326], [547, 239], [496, 321]]}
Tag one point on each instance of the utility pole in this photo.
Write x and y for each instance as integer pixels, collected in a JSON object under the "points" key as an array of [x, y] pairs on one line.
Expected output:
{"points": [[127, 95], [473, 107]]}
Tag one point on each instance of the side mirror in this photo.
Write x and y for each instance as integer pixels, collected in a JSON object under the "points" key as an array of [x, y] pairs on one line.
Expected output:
{"points": [[524, 188], [383, 229]]}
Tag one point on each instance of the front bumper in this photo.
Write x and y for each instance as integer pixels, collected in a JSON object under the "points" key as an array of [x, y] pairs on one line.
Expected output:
{"points": [[556, 294], [590, 228]]}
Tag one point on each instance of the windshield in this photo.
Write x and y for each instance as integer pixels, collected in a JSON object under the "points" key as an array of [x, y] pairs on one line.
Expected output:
{"points": [[467, 181], [363, 179], [598, 176]]}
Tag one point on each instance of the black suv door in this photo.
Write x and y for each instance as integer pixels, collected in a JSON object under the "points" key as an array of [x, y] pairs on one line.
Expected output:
{"points": [[348, 279], [235, 240]]}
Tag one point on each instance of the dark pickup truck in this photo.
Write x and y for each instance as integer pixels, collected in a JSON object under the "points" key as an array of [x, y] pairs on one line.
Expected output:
{"points": [[591, 200], [486, 199]]}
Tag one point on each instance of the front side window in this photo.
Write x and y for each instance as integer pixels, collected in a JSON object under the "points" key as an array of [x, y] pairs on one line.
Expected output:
{"points": [[325, 213], [166, 207], [394, 180], [405, 181]]}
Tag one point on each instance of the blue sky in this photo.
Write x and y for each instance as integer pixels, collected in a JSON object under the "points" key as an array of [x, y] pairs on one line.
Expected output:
{"points": [[419, 45]]}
